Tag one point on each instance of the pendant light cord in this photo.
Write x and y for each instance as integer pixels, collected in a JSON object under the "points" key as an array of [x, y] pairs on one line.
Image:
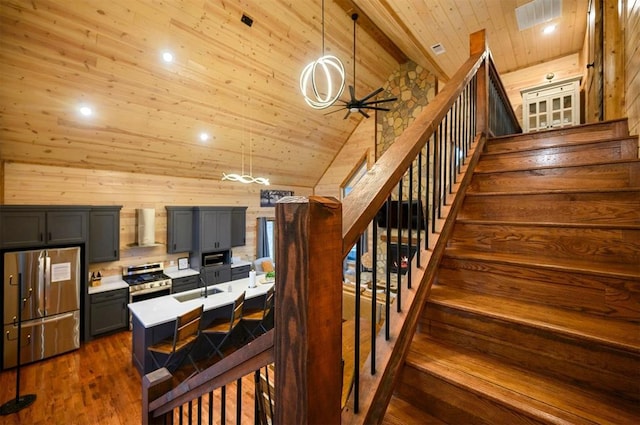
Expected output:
{"points": [[322, 27]]}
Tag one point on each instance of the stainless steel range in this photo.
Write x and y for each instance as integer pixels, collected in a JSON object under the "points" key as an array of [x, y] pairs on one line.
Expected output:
{"points": [[146, 281]]}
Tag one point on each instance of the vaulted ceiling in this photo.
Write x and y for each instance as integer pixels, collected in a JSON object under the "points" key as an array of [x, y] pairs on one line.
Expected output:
{"points": [[237, 83]]}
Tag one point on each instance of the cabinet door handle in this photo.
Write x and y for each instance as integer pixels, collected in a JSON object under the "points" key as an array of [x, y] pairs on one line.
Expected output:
{"points": [[49, 236], [41, 237], [115, 252]]}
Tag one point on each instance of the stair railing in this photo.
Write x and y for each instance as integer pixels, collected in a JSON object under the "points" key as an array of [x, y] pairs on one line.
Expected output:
{"points": [[192, 401]]}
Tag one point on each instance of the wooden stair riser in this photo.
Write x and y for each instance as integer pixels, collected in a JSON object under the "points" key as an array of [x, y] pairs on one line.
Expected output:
{"points": [[548, 242], [455, 404], [615, 175], [594, 153], [595, 295], [606, 208], [594, 132], [576, 361]]}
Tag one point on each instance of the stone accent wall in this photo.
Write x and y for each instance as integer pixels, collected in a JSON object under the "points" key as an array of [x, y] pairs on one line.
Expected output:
{"points": [[414, 87]]}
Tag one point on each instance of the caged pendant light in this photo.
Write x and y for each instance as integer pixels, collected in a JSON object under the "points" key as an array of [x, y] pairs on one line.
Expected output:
{"points": [[317, 79]]}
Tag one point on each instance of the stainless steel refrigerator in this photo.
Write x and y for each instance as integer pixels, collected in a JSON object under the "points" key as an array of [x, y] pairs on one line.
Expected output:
{"points": [[50, 306]]}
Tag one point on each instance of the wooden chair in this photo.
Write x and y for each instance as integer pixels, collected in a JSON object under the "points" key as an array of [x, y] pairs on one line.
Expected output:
{"points": [[181, 342], [225, 326], [255, 320]]}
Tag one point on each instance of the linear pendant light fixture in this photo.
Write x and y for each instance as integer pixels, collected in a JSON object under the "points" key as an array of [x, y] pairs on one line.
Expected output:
{"points": [[246, 178], [327, 68]]}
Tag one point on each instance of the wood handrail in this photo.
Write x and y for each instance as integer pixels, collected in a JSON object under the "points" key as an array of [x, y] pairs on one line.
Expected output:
{"points": [[251, 357], [367, 197]]}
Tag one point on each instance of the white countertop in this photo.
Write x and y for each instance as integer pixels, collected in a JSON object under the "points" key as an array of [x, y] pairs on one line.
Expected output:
{"points": [[164, 309], [240, 263], [109, 283], [174, 273]]}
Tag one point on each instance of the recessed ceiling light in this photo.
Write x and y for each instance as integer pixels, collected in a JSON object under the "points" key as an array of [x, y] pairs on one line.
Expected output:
{"points": [[85, 111], [204, 137], [167, 57], [549, 29]]}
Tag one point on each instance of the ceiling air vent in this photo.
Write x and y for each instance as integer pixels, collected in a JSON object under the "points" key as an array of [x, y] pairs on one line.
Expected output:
{"points": [[537, 12], [438, 49]]}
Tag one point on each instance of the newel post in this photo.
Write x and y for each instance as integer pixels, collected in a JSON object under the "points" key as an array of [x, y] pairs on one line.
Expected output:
{"points": [[308, 311], [478, 44]]}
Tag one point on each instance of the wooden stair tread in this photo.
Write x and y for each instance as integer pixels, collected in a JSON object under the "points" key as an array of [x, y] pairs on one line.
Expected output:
{"points": [[619, 334], [530, 393], [536, 145], [556, 192], [401, 412], [624, 271], [562, 167], [562, 224], [616, 128]]}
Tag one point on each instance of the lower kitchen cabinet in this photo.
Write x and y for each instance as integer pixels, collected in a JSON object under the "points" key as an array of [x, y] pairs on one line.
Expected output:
{"points": [[241, 272], [184, 284], [109, 311], [216, 274]]}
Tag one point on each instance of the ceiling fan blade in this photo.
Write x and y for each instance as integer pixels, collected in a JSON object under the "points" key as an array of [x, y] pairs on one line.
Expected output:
{"points": [[352, 91], [348, 113], [363, 113], [372, 94], [375, 108], [335, 110], [373, 102]]}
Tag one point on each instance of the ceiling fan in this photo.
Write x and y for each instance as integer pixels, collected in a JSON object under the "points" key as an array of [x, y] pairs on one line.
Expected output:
{"points": [[368, 102]]}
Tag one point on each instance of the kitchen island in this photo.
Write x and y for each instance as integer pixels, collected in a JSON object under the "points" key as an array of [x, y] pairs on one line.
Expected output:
{"points": [[154, 319]]}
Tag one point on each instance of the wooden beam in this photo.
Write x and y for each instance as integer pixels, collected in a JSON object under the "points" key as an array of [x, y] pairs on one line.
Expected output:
{"points": [[372, 29], [308, 319]]}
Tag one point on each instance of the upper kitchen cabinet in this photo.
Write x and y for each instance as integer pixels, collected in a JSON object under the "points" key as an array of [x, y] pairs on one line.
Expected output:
{"points": [[179, 229], [212, 230], [238, 226], [26, 226], [104, 234]]}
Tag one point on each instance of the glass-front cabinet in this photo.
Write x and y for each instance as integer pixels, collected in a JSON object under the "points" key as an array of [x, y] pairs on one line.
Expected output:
{"points": [[552, 105]]}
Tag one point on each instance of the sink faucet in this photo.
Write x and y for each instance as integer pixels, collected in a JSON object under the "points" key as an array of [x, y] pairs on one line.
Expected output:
{"points": [[203, 282]]}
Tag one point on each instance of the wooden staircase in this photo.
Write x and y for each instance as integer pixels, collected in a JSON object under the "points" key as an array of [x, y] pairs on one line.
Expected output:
{"points": [[534, 316]]}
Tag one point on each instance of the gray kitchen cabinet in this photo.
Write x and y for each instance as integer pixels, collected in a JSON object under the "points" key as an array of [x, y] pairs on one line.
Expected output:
{"points": [[34, 226], [216, 274], [179, 229], [108, 311], [182, 284], [238, 226], [212, 228], [104, 234], [241, 272]]}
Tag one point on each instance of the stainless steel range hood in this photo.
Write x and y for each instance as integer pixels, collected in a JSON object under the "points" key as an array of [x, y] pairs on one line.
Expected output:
{"points": [[146, 227]]}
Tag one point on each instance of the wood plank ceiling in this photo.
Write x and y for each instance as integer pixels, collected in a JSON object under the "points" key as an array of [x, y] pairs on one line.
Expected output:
{"points": [[237, 83]]}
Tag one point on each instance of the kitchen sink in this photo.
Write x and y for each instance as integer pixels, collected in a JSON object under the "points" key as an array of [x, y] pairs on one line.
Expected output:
{"points": [[192, 296]]}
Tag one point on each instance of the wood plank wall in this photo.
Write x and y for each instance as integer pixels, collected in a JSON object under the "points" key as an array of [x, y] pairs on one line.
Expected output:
{"points": [[564, 67], [632, 65], [360, 143], [49, 185]]}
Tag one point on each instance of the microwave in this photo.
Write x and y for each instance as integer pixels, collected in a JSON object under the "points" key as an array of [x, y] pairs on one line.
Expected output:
{"points": [[215, 259]]}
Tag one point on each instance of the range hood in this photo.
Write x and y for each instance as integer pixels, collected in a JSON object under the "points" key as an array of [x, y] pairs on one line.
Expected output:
{"points": [[146, 227]]}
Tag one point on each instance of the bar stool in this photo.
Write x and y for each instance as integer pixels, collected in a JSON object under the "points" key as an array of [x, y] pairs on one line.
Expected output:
{"points": [[181, 342], [255, 320], [225, 326]]}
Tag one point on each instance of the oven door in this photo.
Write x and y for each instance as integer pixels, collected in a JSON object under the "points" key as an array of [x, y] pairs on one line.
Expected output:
{"points": [[147, 295]]}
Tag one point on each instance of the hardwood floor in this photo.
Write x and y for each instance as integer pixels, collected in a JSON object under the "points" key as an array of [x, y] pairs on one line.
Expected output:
{"points": [[97, 384]]}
